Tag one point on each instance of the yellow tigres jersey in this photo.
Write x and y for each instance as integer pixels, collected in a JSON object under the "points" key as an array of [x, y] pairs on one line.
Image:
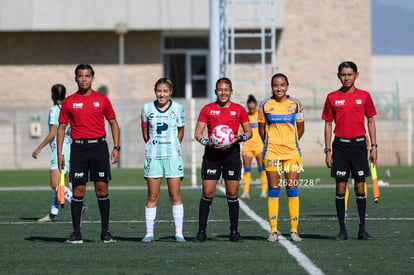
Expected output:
{"points": [[255, 143], [282, 141]]}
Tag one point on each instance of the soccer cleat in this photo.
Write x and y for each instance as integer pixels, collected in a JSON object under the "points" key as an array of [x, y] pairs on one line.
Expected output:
{"points": [[148, 239], [179, 239], [294, 237], [263, 195], [342, 236], [49, 218], [106, 237], [245, 195], [272, 237], [75, 238], [201, 237], [235, 237], [364, 236]]}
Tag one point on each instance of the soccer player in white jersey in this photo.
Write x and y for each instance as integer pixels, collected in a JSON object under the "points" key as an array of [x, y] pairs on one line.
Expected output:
{"points": [[162, 124], [58, 94]]}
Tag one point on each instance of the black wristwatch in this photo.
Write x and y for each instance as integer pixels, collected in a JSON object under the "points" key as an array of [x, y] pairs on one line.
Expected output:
{"points": [[326, 150], [117, 148]]}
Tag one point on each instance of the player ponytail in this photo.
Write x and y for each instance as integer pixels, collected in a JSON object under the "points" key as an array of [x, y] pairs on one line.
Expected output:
{"points": [[58, 93], [251, 99]]}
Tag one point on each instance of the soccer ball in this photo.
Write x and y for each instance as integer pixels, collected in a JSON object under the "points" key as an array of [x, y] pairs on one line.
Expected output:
{"points": [[222, 135]]}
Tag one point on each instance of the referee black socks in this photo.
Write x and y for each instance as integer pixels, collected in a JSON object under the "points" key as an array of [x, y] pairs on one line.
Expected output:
{"points": [[104, 208], [234, 208], [76, 209], [203, 213], [340, 210]]}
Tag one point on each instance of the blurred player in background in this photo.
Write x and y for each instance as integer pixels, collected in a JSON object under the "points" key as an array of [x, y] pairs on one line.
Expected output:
{"points": [[253, 148], [347, 157], [86, 110], [223, 161], [162, 124], [58, 94], [281, 125]]}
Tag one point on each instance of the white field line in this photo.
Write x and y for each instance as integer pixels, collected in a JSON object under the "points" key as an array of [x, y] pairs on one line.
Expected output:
{"points": [[112, 187], [210, 221], [292, 249]]}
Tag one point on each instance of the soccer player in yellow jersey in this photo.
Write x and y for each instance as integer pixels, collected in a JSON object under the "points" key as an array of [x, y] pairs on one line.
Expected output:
{"points": [[253, 148], [281, 125]]}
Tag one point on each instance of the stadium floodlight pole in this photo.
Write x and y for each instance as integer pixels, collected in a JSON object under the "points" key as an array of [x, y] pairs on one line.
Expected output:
{"points": [[215, 29], [121, 28]]}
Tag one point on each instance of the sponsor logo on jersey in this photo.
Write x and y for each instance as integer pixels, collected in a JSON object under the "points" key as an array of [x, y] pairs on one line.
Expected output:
{"points": [[340, 102], [215, 112], [96, 104], [151, 115], [77, 105], [161, 127]]}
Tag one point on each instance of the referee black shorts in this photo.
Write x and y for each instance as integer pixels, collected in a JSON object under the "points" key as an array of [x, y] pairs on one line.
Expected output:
{"points": [[226, 163], [350, 158], [89, 159]]}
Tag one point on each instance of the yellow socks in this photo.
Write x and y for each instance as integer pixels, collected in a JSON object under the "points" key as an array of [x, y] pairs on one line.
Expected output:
{"points": [[246, 181], [273, 208], [293, 205]]}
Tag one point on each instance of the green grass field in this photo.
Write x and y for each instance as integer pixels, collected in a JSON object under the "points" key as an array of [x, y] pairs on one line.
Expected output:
{"points": [[29, 247]]}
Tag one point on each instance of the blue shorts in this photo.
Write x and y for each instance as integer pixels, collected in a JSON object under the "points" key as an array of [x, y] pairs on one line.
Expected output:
{"points": [[168, 168]]}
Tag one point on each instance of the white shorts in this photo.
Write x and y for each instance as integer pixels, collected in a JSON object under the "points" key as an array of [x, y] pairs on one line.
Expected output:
{"points": [[169, 168]]}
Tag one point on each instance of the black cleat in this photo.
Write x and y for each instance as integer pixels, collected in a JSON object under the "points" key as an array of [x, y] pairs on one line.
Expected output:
{"points": [[235, 237], [75, 238], [364, 236], [201, 237], [342, 236], [106, 237]]}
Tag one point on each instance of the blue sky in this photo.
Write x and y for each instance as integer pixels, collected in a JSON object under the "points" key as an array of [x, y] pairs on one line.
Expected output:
{"points": [[392, 27]]}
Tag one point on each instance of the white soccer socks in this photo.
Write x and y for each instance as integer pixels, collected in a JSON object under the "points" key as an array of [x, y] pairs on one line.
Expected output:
{"points": [[178, 215], [150, 215]]}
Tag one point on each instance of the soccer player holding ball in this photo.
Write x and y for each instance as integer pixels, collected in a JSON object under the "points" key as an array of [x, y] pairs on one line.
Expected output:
{"points": [[162, 124], [281, 125], [221, 159], [253, 148], [347, 157]]}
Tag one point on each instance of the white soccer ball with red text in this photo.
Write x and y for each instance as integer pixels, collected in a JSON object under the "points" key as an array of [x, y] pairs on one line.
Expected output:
{"points": [[222, 135]]}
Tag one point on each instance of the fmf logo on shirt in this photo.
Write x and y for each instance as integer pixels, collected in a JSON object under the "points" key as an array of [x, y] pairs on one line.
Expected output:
{"points": [[96, 104], [233, 113], [77, 105], [215, 112], [340, 102]]}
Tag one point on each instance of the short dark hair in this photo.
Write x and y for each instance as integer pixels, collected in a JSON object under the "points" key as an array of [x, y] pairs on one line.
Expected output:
{"points": [[224, 79], [58, 93], [251, 99], [347, 64], [84, 67], [279, 75]]}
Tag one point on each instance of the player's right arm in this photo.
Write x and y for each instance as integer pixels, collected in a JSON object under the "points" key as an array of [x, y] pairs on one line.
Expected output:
{"points": [[59, 140], [328, 138], [199, 130], [50, 136]]}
